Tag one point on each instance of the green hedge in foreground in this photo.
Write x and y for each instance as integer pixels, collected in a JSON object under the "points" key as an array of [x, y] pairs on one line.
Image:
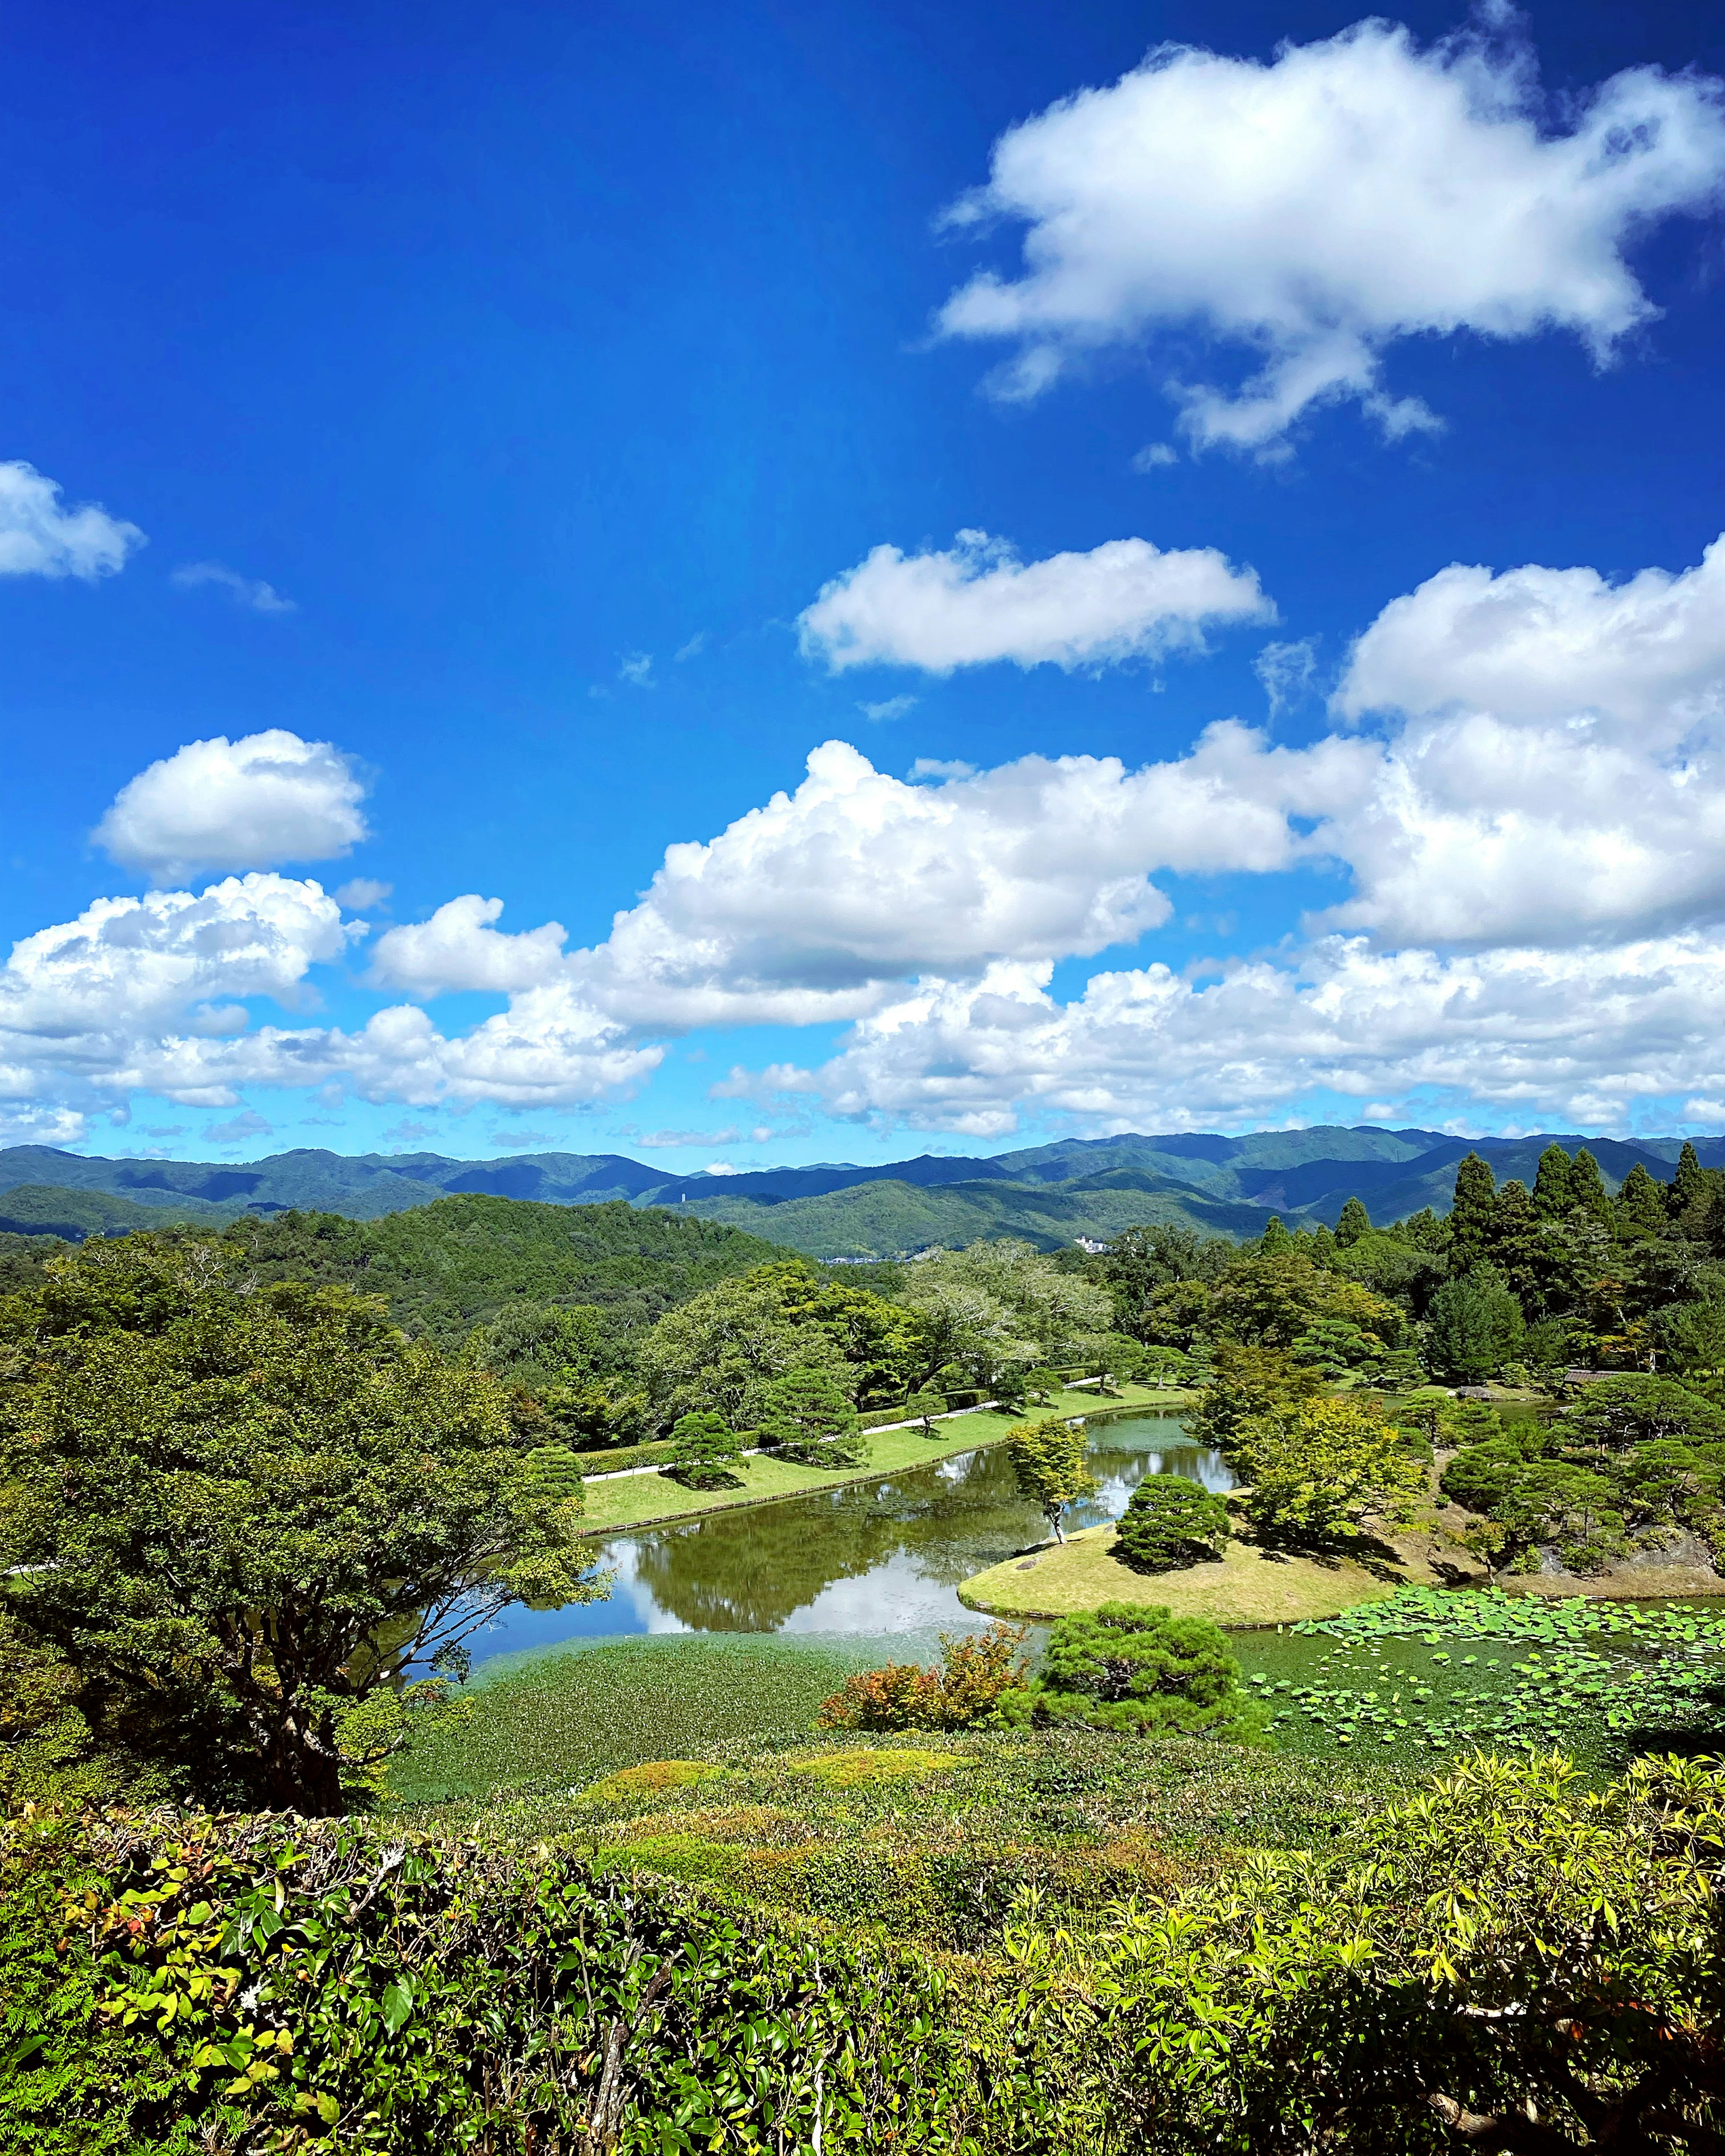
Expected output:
{"points": [[268, 1983]]}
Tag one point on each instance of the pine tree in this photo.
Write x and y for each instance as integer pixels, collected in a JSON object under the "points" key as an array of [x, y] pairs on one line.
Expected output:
{"points": [[1473, 1216], [1588, 1187], [1640, 1202], [1553, 1190], [1355, 1222], [1687, 1190]]}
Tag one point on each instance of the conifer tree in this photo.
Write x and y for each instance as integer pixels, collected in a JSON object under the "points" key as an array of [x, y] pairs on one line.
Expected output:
{"points": [[1553, 1190], [1688, 1188], [1355, 1222], [1473, 1216], [1640, 1202], [1588, 1187]]}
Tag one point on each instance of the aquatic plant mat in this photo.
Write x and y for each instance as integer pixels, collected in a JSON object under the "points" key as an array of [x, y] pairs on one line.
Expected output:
{"points": [[558, 1720], [1426, 1674]]}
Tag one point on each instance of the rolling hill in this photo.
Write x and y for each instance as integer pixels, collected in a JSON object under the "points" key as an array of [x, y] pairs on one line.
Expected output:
{"points": [[1050, 1194]]}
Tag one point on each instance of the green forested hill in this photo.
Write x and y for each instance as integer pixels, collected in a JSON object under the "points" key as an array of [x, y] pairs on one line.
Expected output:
{"points": [[884, 1219], [39, 1209], [445, 1266]]}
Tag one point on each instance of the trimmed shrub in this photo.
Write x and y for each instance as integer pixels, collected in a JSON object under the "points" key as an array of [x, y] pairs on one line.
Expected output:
{"points": [[1170, 1523], [1138, 1669]]}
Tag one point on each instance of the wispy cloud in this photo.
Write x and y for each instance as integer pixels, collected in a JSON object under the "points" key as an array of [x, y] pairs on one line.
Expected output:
{"points": [[251, 592], [890, 707]]}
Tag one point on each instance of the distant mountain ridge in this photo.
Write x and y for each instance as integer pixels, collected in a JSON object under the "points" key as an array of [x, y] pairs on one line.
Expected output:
{"points": [[1050, 1193]]}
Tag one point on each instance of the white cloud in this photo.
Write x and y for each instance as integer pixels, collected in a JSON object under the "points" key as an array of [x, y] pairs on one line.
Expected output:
{"points": [[1578, 1036], [659, 1138], [889, 708], [1288, 671], [637, 670], [1556, 771], [977, 603], [1534, 919], [251, 592], [363, 893], [1156, 456], [813, 906], [692, 649], [39, 538], [939, 766], [1643, 659], [459, 949], [1310, 211], [251, 804]]}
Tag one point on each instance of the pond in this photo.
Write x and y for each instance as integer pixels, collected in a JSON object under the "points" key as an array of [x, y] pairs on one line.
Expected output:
{"points": [[876, 1561]]}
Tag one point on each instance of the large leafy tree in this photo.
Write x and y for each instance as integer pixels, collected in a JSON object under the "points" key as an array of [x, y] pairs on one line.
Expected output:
{"points": [[1003, 1303], [723, 1349], [242, 1512], [1318, 1475], [1048, 1459]]}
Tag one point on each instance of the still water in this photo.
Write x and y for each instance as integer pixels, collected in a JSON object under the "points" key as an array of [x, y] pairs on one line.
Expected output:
{"points": [[876, 1561]]}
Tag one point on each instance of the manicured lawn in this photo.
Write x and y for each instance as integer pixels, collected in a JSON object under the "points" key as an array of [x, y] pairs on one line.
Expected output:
{"points": [[635, 1500], [1246, 1588]]}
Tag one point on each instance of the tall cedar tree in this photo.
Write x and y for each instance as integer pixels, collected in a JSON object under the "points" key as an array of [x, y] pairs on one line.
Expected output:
{"points": [[1589, 1186], [1688, 1189], [1354, 1222], [1473, 1216], [1642, 1202], [1553, 1191]]}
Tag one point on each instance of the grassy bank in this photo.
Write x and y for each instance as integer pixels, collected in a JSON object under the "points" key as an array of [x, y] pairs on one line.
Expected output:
{"points": [[1245, 1587], [637, 1501]]}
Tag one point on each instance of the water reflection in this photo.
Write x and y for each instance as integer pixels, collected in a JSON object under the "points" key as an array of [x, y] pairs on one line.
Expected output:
{"points": [[880, 1557]]}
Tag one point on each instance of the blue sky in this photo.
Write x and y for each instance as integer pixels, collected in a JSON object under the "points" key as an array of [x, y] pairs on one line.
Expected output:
{"points": [[479, 402]]}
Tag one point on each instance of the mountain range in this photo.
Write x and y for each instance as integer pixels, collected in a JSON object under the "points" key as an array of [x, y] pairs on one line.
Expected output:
{"points": [[1050, 1194]]}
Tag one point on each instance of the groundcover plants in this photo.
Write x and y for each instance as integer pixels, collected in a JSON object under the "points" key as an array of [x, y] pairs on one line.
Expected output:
{"points": [[1510, 1672]]}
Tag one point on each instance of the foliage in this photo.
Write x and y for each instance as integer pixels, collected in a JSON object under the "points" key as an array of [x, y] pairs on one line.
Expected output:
{"points": [[238, 1512], [460, 1261], [723, 1350], [1274, 1299], [707, 1451], [1245, 1384], [1614, 1412], [1476, 1326], [1134, 1668], [1170, 1522], [1317, 1474], [1552, 1502], [1504, 1963], [999, 1304], [807, 1417], [1048, 1459], [974, 1672], [277, 1984]]}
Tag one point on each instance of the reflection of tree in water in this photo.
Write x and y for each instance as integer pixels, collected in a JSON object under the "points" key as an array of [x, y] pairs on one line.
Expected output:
{"points": [[750, 1570]]}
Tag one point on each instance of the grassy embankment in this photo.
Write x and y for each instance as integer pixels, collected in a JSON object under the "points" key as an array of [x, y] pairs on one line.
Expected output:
{"points": [[636, 1501]]}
